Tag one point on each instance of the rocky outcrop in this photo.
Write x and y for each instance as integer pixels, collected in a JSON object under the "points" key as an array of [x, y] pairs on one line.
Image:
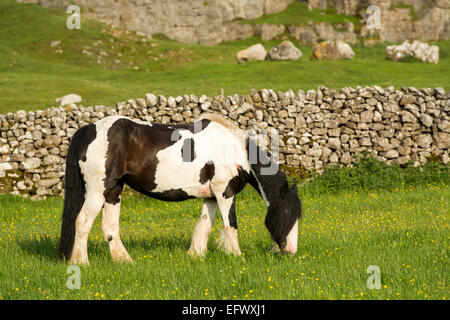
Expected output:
{"points": [[311, 33], [216, 21], [267, 31], [427, 20], [193, 21], [419, 50], [316, 128]]}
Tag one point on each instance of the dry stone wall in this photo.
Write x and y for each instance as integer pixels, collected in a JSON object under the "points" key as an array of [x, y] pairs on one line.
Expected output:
{"points": [[316, 128]]}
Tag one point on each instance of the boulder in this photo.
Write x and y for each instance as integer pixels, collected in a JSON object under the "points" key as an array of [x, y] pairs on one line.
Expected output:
{"points": [[333, 50], [420, 50], [255, 52], [285, 51], [68, 99]]}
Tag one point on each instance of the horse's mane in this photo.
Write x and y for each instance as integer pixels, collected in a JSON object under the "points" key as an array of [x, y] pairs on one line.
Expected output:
{"points": [[220, 119]]}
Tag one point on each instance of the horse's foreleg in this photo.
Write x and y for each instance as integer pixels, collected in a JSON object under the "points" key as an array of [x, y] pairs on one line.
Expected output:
{"points": [[228, 239], [110, 227], [202, 230], [91, 207]]}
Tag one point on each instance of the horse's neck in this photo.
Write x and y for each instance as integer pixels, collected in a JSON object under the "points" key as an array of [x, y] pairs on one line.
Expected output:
{"points": [[271, 187], [271, 184]]}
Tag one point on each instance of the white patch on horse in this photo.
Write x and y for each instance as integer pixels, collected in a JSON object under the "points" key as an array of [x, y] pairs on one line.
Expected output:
{"points": [[203, 227], [217, 144], [110, 227]]}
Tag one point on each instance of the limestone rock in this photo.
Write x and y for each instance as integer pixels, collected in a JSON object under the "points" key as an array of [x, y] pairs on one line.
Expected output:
{"points": [[304, 34], [238, 31], [333, 50], [268, 31], [68, 99], [421, 51], [285, 51], [254, 52], [30, 163]]}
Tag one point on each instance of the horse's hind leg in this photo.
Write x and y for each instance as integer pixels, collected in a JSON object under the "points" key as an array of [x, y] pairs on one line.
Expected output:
{"points": [[110, 225], [91, 207], [228, 239], [202, 230]]}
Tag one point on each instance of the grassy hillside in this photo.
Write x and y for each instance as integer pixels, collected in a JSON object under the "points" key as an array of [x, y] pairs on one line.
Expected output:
{"points": [[106, 65]]}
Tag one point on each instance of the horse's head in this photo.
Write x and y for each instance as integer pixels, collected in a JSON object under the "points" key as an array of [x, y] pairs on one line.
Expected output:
{"points": [[282, 220]]}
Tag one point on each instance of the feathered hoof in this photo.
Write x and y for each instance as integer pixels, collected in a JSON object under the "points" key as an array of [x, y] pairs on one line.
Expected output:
{"points": [[194, 252], [121, 257], [78, 259], [228, 241]]}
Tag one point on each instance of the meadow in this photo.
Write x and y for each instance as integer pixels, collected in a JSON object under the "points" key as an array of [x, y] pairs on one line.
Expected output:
{"points": [[403, 229], [391, 217]]}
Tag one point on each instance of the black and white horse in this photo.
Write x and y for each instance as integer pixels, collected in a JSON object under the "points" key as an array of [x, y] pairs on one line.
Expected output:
{"points": [[207, 159]]}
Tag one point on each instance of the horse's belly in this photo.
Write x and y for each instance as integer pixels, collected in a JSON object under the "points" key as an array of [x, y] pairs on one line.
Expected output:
{"points": [[184, 178]]}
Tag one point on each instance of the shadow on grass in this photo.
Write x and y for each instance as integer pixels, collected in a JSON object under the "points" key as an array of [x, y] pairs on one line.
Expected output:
{"points": [[43, 248], [46, 249]]}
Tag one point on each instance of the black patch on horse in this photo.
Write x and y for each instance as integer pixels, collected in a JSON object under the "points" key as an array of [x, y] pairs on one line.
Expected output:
{"points": [[89, 133], [236, 184], [207, 172], [131, 156], [170, 195], [232, 215], [112, 193], [188, 151]]}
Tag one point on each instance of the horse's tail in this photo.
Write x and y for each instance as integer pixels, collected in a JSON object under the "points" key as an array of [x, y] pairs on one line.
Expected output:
{"points": [[74, 189]]}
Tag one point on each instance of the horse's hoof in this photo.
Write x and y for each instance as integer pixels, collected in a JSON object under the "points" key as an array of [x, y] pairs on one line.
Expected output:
{"points": [[196, 253]]}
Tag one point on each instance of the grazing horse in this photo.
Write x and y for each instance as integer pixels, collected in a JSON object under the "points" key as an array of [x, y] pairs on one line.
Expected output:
{"points": [[207, 159]]}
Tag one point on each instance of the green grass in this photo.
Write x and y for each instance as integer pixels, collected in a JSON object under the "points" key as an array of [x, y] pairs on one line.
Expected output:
{"points": [[33, 74], [371, 174], [403, 229]]}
